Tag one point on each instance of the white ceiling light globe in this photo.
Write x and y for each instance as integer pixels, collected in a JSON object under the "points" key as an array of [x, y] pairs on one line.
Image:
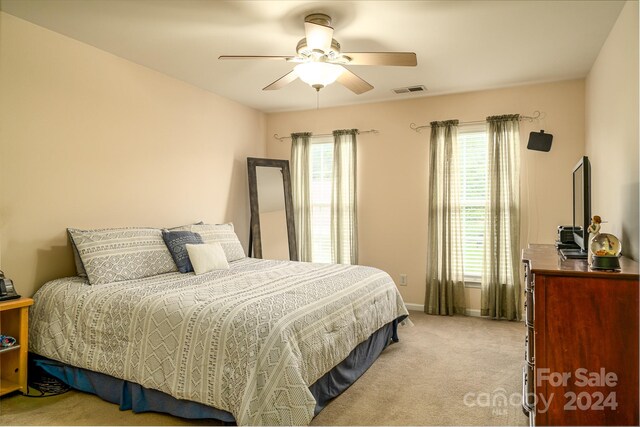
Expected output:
{"points": [[318, 74]]}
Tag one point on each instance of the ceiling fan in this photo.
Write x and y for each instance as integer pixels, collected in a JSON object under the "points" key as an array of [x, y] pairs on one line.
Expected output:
{"points": [[320, 61]]}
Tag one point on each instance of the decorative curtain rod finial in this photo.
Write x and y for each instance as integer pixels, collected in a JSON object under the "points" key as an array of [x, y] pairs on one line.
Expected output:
{"points": [[417, 128], [537, 115]]}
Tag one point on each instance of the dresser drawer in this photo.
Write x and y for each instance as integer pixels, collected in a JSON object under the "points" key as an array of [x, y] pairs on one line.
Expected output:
{"points": [[528, 278], [529, 307], [528, 392], [529, 355]]}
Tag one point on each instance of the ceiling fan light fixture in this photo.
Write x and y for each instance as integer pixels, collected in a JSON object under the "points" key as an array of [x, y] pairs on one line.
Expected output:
{"points": [[318, 74], [321, 61]]}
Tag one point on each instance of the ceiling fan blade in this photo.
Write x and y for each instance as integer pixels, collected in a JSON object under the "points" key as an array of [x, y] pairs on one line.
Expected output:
{"points": [[354, 83], [318, 36], [273, 57], [405, 59], [282, 81]]}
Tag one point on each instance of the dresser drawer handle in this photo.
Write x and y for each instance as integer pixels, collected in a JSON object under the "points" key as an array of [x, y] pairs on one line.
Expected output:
{"points": [[525, 391]]}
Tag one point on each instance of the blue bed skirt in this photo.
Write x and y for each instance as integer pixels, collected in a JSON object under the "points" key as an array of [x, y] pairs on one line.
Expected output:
{"points": [[132, 396]]}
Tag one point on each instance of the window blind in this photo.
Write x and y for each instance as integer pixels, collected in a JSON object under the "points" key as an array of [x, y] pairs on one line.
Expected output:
{"points": [[472, 145], [321, 184]]}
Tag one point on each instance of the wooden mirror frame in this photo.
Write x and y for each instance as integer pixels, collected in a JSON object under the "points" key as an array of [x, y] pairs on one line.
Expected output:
{"points": [[255, 240]]}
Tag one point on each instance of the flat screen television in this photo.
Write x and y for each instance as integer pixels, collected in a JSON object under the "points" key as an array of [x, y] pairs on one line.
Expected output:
{"points": [[581, 209]]}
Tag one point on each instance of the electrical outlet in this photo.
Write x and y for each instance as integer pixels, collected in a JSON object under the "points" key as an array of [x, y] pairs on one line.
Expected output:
{"points": [[403, 280]]}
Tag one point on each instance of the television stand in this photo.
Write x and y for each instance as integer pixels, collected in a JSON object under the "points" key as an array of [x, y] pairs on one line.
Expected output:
{"points": [[574, 254], [581, 326]]}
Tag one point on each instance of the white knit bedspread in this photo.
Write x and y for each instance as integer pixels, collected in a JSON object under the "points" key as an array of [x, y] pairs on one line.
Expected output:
{"points": [[249, 340]]}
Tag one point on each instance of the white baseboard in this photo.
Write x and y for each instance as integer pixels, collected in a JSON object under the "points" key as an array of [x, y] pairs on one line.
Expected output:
{"points": [[414, 307], [420, 307]]}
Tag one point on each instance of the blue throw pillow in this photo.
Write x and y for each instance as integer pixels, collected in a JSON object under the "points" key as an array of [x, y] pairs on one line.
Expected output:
{"points": [[176, 241]]}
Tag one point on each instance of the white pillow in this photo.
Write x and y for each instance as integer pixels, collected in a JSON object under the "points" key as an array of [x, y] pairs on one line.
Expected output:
{"points": [[207, 257]]}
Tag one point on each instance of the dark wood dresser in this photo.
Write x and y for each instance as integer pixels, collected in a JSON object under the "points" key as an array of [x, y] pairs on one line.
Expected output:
{"points": [[581, 347]]}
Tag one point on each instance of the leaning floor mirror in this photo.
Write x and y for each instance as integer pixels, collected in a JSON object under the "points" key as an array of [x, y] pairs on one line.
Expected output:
{"points": [[272, 234]]}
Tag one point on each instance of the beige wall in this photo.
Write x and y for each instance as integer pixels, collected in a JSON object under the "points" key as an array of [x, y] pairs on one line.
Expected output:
{"points": [[91, 140], [393, 167], [612, 131]]}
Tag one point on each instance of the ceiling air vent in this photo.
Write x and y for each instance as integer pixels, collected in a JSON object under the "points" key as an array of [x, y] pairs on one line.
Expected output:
{"points": [[410, 89]]}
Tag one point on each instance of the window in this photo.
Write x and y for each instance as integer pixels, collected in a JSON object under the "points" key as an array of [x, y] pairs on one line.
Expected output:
{"points": [[321, 184], [472, 146]]}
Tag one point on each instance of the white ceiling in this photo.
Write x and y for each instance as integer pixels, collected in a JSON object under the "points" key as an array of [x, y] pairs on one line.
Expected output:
{"points": [[461, 45]]}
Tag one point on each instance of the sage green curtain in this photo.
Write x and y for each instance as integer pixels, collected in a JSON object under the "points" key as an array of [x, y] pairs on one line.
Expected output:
{"points": [[300, 186], [500, 296], [445, 275], [344, 219]]}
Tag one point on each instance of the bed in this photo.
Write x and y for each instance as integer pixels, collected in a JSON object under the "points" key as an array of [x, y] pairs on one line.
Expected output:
{"points": [[258, 341]]}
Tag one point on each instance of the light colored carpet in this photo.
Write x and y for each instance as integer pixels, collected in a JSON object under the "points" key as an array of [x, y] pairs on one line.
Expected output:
{"points": [[422, 380]]}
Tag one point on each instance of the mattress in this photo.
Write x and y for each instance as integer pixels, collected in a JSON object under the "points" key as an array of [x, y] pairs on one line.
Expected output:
{"points": [[249, 340]]}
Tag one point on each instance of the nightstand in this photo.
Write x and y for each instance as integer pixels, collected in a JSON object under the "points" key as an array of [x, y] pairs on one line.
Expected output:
{"points": [[14, 321]]}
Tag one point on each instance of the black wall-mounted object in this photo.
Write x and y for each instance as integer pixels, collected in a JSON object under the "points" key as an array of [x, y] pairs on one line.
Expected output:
{"points": [[540, 141]]}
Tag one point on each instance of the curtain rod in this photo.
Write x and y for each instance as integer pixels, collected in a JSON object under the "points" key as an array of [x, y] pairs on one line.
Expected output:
{"points": [[536, 115], [282, 138]]}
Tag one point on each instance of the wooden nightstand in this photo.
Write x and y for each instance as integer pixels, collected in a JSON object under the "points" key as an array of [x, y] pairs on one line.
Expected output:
{"points": [[14, 321]]}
